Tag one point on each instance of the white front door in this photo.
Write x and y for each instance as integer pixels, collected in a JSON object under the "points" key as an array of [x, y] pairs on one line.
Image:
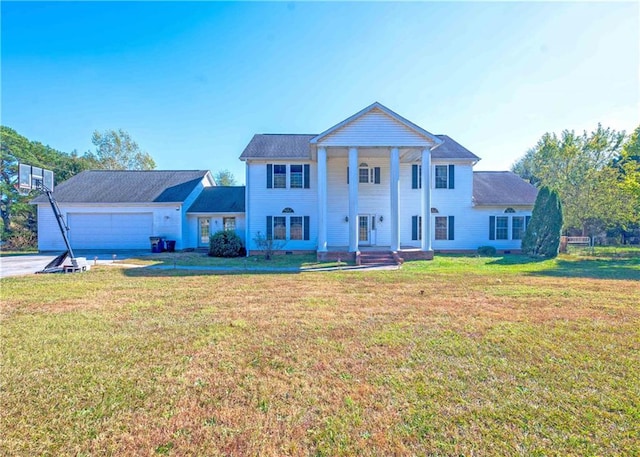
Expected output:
{"points": [[364, 230], [203, 231]]}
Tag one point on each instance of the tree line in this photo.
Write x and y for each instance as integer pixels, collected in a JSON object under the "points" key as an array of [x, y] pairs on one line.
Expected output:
{"points": [[114, 150], [596, 176]]}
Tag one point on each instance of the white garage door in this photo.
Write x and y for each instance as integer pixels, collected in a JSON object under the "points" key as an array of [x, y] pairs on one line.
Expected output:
{"points": [[110, 230]]}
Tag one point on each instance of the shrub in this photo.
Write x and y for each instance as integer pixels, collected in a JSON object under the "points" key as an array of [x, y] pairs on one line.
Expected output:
{"points": [[225, 243], [486, 251], [20, 240]]}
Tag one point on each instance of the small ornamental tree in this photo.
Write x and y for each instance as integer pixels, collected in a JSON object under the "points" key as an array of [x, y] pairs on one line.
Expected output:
{"points": [[542, 238], [267, 245], [225, 243]]}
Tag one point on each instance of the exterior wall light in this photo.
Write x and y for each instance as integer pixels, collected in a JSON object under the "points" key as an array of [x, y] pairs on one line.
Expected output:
{"points": [[346, 218], [381, 219]]}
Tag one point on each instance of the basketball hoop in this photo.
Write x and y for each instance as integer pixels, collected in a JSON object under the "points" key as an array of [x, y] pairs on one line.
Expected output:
{"points": [[34, 178]]}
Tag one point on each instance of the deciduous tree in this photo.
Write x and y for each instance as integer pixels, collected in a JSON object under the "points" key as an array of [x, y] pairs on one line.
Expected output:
{"points": [[116, 150], [225, 178], [581, 169], [16, 213]]}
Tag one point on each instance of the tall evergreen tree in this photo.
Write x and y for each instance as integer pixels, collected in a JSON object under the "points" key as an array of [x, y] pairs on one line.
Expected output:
{"points": [[542, 237]]}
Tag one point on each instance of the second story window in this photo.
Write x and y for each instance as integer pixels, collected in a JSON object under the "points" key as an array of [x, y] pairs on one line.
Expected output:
{"points": [[299, 176], [296, 177], [444, 176], [279, 176], [366, 174]]}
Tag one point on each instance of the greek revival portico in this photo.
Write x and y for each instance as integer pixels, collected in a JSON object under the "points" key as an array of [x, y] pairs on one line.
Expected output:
{"points": [[374, 133]]}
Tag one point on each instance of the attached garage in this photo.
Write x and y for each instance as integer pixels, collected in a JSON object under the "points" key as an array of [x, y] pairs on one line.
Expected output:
{"points": [[110, 230], [121, 209]]}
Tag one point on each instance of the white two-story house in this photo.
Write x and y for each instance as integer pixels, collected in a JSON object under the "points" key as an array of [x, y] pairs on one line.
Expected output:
{"points": [[378, 181], [375, 181]]}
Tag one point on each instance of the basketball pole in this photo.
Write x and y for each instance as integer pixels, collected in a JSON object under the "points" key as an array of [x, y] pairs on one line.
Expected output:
{"points": [[61, 224]]}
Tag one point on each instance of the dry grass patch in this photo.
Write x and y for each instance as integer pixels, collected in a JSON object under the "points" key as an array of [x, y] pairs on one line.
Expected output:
{"points": [[455, 356]]}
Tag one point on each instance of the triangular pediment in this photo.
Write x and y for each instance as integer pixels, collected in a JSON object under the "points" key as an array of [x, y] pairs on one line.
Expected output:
{"points": [[374, 126]]}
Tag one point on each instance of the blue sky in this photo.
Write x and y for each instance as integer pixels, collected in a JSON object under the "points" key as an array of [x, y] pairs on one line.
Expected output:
{"points": [[192, 82]]}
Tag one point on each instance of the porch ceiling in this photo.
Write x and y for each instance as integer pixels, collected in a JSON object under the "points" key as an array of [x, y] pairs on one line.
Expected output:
{"points": [[407, 154]]}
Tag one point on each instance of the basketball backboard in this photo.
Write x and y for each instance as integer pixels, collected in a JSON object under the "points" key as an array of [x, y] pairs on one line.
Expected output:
{"points": [[34, 178]]}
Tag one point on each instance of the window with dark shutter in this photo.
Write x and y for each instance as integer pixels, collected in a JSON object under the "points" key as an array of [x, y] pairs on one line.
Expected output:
{"points": [[452, 176], [414, 227], [451, 229], [296, 178], [441, 228], [441, 176], [269, 227], [269, 176], [492, 227], [279, 176]]}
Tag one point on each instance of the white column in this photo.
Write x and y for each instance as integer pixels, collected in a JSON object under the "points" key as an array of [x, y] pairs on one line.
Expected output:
{"points": [[395, 199], [353, 199], [426, 200], [322, 200]]}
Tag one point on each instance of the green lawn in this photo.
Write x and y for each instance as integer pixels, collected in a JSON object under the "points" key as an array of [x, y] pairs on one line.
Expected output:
{"points": [[201, 259], [458, 356]]}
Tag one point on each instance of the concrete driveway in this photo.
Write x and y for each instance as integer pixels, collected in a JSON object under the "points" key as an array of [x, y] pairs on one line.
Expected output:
{"points": [[18, 265]]}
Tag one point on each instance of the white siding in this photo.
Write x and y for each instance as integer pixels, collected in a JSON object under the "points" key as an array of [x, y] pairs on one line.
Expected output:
{"points": [[471, 224], [476, 228], [263, 202], [215, 225], [374, 129], [167, 222]]}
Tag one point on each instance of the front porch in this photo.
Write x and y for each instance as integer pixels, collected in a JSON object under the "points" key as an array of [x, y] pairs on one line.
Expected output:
{"points": [[342, 253], [373, 148]]}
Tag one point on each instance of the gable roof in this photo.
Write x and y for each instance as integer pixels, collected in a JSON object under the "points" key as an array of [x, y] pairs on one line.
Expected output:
{"points": [[219, 199], [127, 186], [491, 188], [378, 106], [278, 146], [294, 146], [451, 149]]}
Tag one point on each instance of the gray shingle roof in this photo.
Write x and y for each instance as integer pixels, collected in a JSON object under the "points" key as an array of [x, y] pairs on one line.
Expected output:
{"points": [[223, 199], [292, 146], [278, 146], [451, 149], [502, 188], [127, 186]]}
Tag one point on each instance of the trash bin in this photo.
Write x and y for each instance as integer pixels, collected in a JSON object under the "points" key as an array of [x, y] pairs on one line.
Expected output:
{"points": [[155, 243], [161, 245], [171, 245]]}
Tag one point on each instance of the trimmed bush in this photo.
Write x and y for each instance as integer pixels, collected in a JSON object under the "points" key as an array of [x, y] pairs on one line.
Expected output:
{"points": [[486, 251], [225, 243]]}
